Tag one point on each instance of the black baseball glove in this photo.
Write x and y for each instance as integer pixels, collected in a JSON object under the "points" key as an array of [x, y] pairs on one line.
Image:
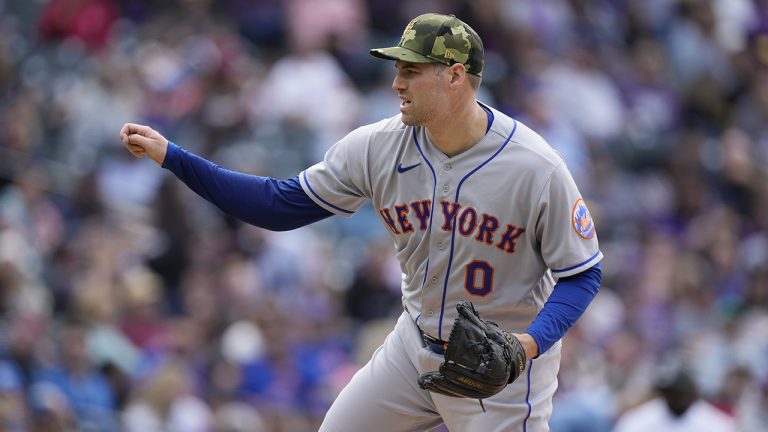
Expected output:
{"points": [[480, 359]]}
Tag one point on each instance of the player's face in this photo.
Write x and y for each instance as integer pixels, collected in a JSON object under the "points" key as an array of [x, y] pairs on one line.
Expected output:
{"points": [[421, 92]]}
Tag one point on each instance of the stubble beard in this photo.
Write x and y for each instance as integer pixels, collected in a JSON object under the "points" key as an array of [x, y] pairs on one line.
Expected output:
{"points": [[422, 113], [414, 119]]}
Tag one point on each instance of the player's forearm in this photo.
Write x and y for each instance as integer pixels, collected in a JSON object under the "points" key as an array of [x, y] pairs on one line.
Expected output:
{"points": [[277, 205], [565, 305]]}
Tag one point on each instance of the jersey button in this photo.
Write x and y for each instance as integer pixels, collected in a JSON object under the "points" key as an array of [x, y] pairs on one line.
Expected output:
{"points": [[446, 188], [440, 245], [447, 167], [434, 279], [431, 312]]}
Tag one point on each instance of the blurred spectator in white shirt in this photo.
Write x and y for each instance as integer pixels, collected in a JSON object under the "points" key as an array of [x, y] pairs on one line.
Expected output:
{"points": [[677, 408]]}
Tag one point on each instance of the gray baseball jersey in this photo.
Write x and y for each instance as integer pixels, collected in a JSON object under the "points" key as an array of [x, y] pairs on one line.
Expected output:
{"points": [[494, 225]]}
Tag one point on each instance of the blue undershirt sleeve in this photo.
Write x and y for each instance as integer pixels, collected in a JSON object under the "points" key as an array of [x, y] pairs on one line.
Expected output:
{"points": [[277, 205], [565, 305]]}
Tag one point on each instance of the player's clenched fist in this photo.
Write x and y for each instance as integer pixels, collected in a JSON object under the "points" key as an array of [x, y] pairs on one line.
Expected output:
{"points": [[143, 141]]}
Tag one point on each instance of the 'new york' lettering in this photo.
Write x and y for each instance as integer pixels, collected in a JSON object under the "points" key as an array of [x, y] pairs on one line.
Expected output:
{"points": [[466, 221]]}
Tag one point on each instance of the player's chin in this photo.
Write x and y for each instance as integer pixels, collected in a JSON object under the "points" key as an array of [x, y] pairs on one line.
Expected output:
{"points": [[410, 120]]}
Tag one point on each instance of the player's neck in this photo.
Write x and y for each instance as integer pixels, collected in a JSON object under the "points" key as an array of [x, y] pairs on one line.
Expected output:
{"points": [[453, 137]]}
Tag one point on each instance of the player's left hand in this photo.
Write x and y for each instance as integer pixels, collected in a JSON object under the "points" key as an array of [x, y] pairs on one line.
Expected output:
{"points": [[480, 359]]}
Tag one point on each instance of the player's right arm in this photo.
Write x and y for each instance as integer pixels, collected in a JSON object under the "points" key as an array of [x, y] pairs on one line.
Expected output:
{"points": [[262, 201]]}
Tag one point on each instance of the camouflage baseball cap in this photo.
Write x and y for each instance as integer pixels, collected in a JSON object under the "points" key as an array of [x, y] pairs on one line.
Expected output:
{"points": [[437, 38]]}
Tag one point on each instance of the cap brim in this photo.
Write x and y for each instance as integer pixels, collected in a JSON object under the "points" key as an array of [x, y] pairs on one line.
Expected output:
{"points": [[400, 53]]}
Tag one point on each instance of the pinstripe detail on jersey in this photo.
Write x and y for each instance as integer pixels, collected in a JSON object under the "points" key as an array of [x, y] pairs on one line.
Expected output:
{"points": [[577, 265], [453, 231], [434, 190], [528, 398], [306, 180]]}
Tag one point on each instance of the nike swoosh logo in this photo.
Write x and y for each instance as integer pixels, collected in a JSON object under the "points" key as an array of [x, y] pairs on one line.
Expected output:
{"points": [[401, 169]]}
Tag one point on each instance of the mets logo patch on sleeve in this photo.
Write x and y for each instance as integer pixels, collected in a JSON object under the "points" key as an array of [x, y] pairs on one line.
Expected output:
{"points": [[582, 220]]}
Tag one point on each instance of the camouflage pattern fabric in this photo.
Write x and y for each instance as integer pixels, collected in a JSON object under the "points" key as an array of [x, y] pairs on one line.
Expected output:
{"points": [[437, 38]]}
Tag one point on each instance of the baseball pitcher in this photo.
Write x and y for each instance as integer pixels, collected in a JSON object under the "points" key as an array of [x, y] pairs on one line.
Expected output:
{"points": [[497, 247]]}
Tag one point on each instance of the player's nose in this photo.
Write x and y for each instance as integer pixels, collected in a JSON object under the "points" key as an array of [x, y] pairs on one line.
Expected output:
{"points": [[398, 84]]}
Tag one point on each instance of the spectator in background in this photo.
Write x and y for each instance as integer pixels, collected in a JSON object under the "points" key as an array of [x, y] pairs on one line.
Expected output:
{"points": [[13, 408], [752, 410], [164, 402], [581, 90], [678, 407], [86, 21], [374, 293], [143, 321], [83, 387]]}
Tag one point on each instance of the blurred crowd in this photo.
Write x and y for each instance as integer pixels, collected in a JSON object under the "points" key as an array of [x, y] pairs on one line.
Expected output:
{"points": [[129, 303]]}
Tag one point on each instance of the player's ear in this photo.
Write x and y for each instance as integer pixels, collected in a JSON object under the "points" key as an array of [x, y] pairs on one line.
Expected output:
{"points": [[458, 73]]}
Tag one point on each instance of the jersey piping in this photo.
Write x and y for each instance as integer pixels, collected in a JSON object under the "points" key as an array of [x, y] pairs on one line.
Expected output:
{"points": [[577, 265], [528, 397], [491, 118], [453, 231], [432, 207], [306, 180]]}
